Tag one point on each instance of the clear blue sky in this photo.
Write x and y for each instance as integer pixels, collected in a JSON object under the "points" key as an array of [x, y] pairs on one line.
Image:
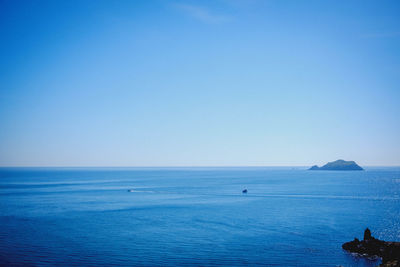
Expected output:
{"points": [[189, 83]]}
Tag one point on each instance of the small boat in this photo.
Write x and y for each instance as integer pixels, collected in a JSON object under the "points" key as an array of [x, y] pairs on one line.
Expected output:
{"points": [[244, 191], [130, 190]]}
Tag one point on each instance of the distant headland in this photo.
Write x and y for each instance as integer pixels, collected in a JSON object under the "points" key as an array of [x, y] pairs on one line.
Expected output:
{"points": [[338, 165]]}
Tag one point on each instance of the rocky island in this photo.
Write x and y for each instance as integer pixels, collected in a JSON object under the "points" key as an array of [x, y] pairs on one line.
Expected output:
{"points": [[338, 165], [370, 246]]}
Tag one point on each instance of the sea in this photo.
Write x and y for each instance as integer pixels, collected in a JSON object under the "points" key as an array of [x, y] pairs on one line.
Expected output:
{"points": [[193, 216]]}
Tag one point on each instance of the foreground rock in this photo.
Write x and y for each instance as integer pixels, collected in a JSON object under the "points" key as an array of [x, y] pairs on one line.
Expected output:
{"points": [[338, 165], [370, 246]]}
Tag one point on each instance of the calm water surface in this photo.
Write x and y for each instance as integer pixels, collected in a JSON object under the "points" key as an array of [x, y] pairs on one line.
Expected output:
{"points": [[193, 216]]}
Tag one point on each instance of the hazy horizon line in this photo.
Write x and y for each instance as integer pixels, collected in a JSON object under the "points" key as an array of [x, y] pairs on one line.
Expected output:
{"points": [[183, 166]]}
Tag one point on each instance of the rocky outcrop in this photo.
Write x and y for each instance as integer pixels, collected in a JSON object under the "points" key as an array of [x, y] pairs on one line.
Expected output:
{"points": [[370, 246]]}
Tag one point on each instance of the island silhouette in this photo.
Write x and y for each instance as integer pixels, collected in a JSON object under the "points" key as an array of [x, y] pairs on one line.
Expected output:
{"points": [[338, 165]]}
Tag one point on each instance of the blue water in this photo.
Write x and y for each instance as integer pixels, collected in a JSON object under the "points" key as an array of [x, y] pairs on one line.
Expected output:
{"points": [[193, 216]]}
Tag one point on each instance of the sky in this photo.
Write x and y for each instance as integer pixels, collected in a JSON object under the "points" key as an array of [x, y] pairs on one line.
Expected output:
{"points": [[199, 83]]}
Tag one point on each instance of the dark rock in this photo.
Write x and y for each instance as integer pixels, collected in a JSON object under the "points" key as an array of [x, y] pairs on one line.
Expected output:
{"points": [[370, 246], [395, 263], [367, 234]]}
